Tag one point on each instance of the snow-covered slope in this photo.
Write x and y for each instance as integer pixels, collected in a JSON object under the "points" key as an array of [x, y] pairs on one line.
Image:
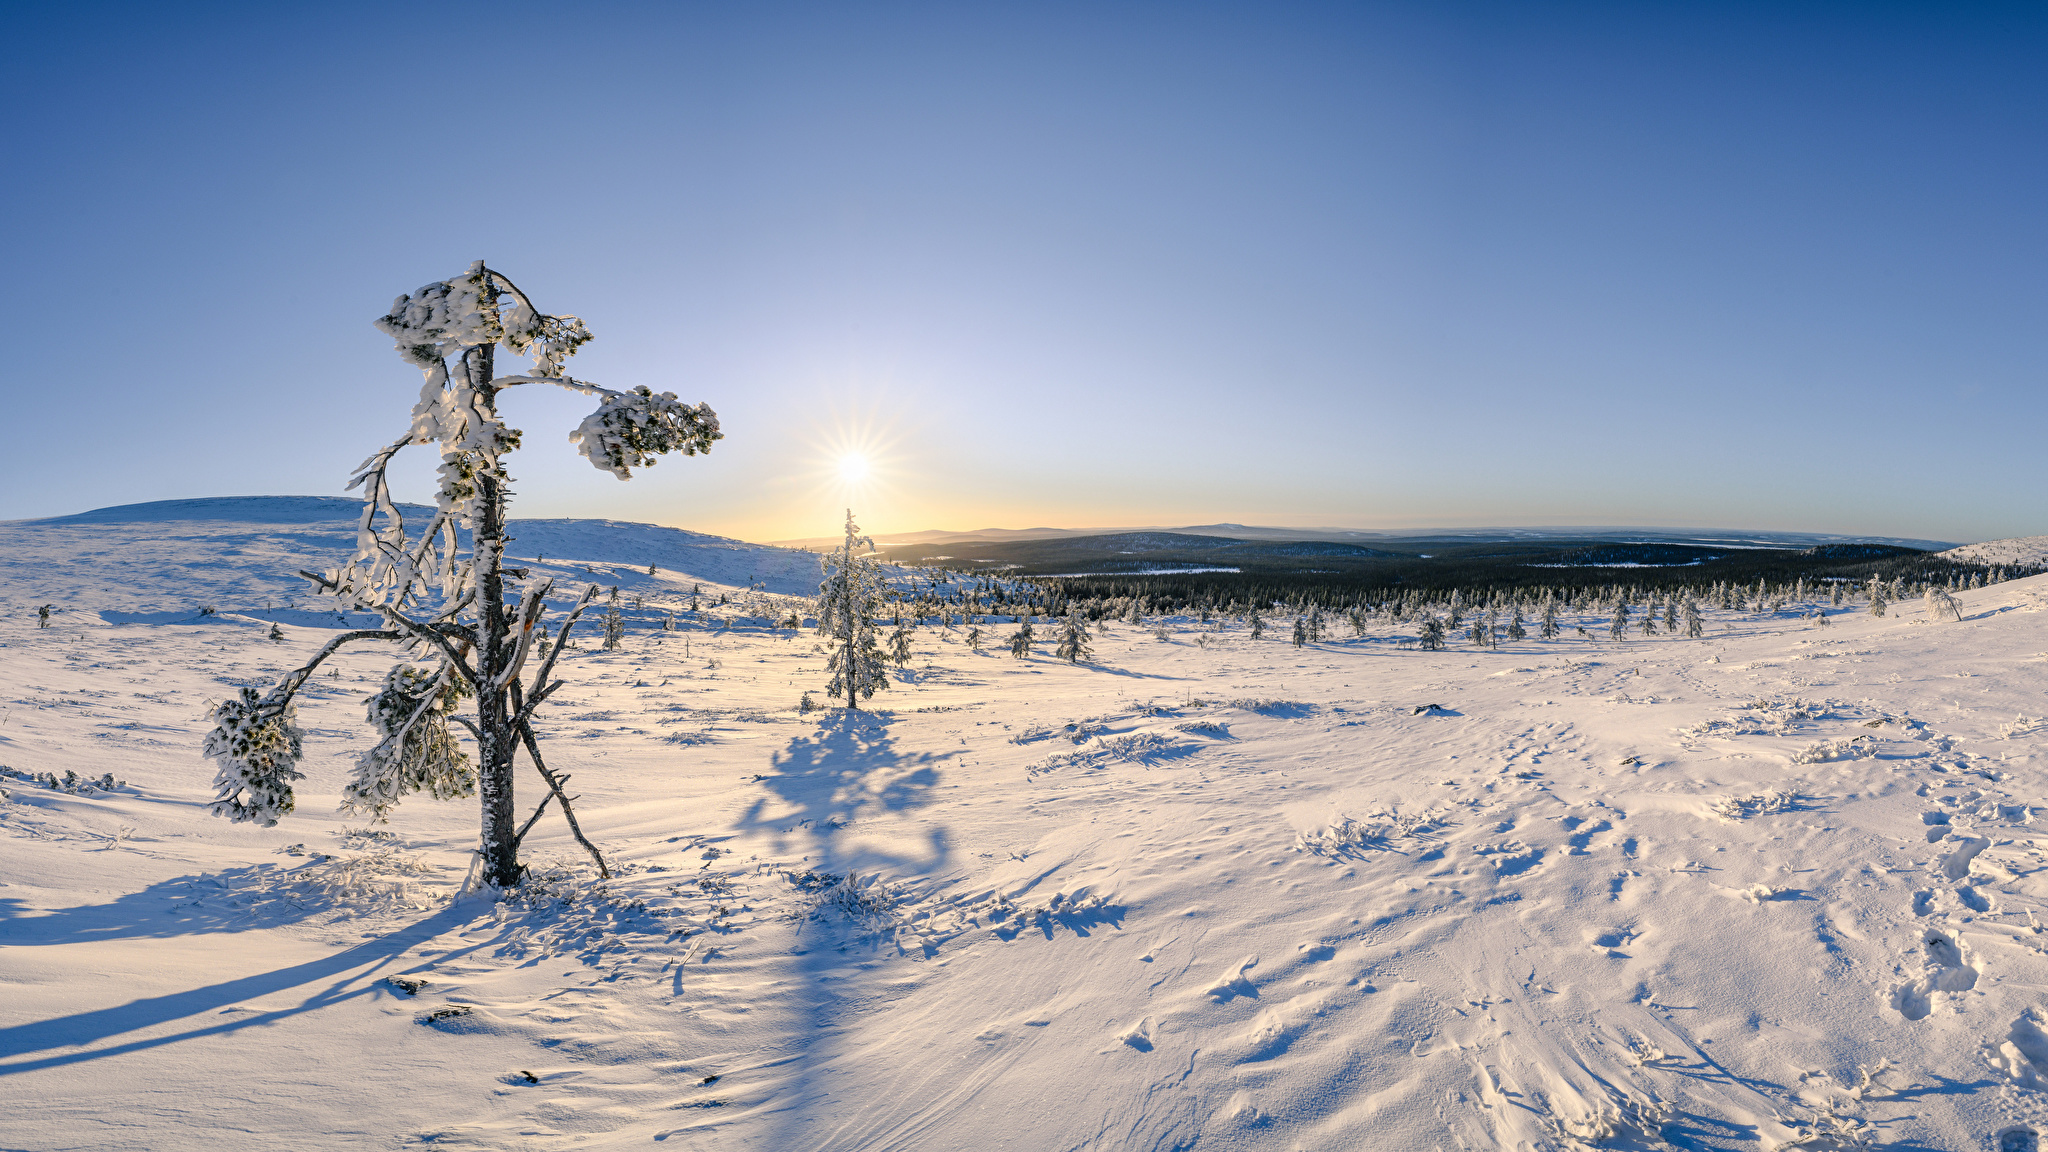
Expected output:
{"points": [[1780, 887], [2030, 550], [242, 554]]}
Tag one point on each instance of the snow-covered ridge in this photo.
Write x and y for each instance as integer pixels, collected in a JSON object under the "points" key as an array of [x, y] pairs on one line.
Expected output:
{"points": [[2018, 550], [242, 554]]}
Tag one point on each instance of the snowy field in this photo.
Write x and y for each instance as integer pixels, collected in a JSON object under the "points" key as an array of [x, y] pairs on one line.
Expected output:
{"points": [[1780, 887]]}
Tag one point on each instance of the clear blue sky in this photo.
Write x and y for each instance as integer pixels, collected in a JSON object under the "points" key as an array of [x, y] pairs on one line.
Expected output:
{"points": [[1775, 266]]}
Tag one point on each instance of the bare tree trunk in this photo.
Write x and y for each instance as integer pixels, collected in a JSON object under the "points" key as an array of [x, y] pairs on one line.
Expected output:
{"points": [[500, 838]]}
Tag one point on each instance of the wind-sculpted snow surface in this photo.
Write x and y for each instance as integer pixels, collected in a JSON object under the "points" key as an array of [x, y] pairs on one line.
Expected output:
{"points": [[1781, 887]]}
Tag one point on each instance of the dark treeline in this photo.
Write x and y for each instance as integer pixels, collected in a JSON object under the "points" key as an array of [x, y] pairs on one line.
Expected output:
{"points": [[1486, 576]]}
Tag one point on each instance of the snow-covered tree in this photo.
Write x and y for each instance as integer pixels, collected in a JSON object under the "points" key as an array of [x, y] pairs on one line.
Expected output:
{"points": [[1940, 603], [443, 592], [1300, 631], [1515, 629], [1256, 623], [1021, 641], [1693, 625], [848, 600], [614, 624], [1617, 628], [899, 644], [974, 639], [1878, 600], [1431, 638], [1548, 627], [1073, 645]]}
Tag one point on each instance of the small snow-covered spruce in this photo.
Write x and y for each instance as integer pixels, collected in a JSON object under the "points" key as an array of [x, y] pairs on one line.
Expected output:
{"points": [[614, 624], [1878, 601], [848, 601], [1300, 631], [1515, 629], [1548, 626], [1940, 604], [1073, 645], [1256, 623], [974, 639], [1021, 641], [899, 644], [1671, 615], [443, 590], [1431, 638], [1693, 624], [1650, 621], [1617, 628]]}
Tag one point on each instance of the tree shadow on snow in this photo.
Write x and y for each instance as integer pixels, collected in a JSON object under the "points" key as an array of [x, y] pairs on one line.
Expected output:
{"points": [[350, 974], [229, 900], [848, 766]]}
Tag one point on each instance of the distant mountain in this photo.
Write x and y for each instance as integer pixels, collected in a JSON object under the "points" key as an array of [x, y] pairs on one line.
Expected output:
{"points": [[1706, 538]]}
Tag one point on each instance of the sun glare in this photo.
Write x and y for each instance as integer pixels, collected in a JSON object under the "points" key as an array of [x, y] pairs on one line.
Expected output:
{"points": [[853, 468]]}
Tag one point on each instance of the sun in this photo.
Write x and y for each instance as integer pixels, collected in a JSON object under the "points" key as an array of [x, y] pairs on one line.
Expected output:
{"points": [[853, 468]]}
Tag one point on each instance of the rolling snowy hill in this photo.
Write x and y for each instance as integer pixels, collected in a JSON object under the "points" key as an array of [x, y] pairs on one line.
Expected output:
{"points": [[2027, 550], [242, 554], [1780, 887]]}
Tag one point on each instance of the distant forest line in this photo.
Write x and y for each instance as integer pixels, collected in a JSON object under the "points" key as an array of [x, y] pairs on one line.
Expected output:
{"points": [[1338, 575]]}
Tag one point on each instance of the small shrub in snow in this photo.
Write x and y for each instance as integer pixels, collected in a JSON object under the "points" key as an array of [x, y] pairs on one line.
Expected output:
{"points": [[71, 782], [1758, 804], [1257, 704], [1847, 748], [1349, 837], [1136, 745], [868, 904], [2021, 726]]}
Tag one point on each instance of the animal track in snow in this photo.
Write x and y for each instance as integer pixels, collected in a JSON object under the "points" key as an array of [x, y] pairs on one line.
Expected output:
{"points": [[2023, 1054], [1937, 825], [1947, 970], [1956, 864]]}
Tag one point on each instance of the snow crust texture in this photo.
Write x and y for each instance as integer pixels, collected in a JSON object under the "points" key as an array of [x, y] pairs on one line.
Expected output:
{"points": [[1782, 887]]}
